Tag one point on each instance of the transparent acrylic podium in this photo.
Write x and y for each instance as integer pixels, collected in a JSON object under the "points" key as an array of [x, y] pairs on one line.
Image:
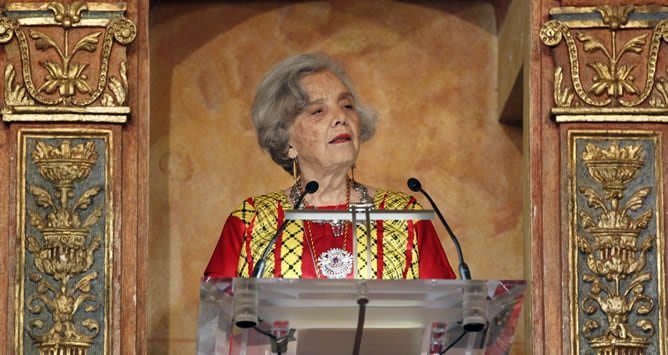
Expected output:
{"points": [[402, 317]]}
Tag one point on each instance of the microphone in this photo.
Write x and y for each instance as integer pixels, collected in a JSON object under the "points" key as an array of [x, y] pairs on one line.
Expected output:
{"points": [[245, 290], [464, 273], [311, 187], [474, 300]]}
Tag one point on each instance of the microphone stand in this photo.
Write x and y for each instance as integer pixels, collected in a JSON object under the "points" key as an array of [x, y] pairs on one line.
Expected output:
{"points": [[464, 272], [245, 291], [474, 302], [311, 187]]}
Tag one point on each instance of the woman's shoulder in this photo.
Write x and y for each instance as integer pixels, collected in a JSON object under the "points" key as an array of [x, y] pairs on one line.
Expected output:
{"points": [[271, 199], [391, 200], [257, 203]]}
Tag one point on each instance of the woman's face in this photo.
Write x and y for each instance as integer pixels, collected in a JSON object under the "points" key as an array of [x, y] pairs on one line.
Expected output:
{"points": [[325, 136]]}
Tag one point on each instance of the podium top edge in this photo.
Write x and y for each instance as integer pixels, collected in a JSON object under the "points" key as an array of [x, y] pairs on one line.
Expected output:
{"points": [[359, 215], [382, 283]]}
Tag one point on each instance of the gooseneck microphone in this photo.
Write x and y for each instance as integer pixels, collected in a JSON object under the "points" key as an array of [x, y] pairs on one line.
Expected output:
{"points": [[311, 187], [464, 273], [474, 303]]}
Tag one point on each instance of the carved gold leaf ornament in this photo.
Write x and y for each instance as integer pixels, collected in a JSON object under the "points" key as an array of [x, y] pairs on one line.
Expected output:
{"points": [[615, 16], [660, 99], [65, 165], [67, 14], [613, 78], [118, 88], [64, 250], [614, 167], [616, 252], [562, 97], [65, 76], [15, 94], [614, 152]]}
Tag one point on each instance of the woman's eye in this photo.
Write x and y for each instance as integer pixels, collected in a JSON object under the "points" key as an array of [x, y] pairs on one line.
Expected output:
{"points": [[316, 112], [349, 107]]}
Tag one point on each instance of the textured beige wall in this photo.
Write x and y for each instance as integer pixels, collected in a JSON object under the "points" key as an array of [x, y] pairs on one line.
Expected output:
{"points": [[429, 69]]}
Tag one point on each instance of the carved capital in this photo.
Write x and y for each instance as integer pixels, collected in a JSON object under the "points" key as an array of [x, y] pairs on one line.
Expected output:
{"points": [[609, 63], [65, 61]]}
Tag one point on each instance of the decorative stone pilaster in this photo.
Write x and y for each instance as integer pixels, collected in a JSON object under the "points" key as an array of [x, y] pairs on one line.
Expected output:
{"points": [[65, 90], [611, 69]]}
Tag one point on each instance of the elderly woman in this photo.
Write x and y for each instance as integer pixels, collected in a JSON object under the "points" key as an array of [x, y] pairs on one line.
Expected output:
{"points": [[309, 119]]}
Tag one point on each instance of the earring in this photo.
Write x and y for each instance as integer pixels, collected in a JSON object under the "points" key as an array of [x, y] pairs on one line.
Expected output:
{"points": [[352, 173], [294, 170]]}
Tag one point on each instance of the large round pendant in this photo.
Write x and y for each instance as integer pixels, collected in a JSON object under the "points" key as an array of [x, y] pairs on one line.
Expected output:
{"points": [[335, 263]]}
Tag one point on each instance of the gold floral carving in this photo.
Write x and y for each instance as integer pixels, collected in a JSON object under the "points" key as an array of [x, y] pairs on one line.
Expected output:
{"points": [[563, 97], [75, 63], [15, 94], [621, 70], [615, 247], [614, 16], [63, 251]]}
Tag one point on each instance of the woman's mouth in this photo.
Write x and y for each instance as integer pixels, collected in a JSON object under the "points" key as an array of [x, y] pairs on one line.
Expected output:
{"points": [[341, 138]]}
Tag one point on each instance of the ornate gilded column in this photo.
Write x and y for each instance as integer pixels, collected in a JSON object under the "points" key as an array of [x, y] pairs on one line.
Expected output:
{"points": [[66, 104], [609, 91]]}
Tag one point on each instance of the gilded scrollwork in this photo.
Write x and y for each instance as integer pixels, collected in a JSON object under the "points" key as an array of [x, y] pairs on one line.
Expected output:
{"points": [[123, 31], [658, 35], [612, 62], [7, 27], [617, 244], [552, 34], [75, 63]]}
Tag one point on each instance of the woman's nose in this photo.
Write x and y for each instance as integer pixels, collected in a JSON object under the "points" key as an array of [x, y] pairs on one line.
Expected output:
{"points": [[340, 117]]}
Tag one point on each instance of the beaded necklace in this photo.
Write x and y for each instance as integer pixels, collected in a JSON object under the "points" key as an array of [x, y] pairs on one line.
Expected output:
{"points": [[335, 263], [338, 226]]}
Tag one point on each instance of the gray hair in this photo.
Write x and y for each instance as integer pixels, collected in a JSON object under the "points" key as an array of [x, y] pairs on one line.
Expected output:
{"points": [[280, 99]]}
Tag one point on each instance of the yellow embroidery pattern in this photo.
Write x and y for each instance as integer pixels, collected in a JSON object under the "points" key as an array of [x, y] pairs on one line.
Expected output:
{"points": [[246, 213], [264, 218], [395, 238], [292, 249], [262, 214]]}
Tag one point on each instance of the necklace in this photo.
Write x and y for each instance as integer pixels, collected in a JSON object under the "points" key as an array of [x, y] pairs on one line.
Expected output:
{"points": [[338, 226], [335, 263]]}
